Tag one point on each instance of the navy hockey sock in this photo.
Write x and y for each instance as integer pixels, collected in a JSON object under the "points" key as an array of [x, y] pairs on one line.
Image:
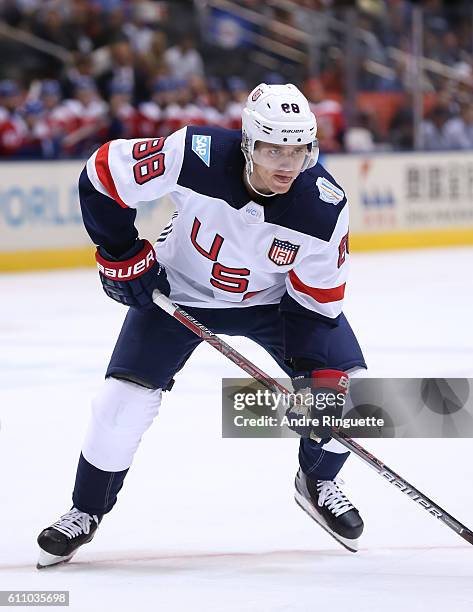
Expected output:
{"points": [[95, 491], [317, 463]]}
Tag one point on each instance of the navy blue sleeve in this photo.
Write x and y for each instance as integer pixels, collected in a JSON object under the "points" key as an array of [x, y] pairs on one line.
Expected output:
{"points": [[305, 332], [107, 223]]}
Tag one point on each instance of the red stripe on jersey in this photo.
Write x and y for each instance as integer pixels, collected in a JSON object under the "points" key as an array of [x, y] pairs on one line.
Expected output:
{"points": [[321, 295], [250, 294], [104, 174]]}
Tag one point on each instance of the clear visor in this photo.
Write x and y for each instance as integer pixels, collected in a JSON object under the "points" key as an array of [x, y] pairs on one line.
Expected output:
{"points": [[280, 157]]}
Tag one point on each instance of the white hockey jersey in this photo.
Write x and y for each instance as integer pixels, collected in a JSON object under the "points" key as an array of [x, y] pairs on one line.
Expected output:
{"points": [[222, 249]]}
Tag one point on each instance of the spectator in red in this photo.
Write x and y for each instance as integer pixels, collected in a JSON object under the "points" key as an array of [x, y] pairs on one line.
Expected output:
{"points": [[55, 115], [13, 129], [329, 116], [151, 112], [86, 116], [37, 141]]}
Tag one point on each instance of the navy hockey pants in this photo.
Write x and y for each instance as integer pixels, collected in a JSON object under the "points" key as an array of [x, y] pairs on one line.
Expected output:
{"points": [[153, 346]]}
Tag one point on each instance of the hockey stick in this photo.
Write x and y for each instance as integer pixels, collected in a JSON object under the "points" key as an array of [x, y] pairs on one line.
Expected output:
{"points": [[383, 470]]}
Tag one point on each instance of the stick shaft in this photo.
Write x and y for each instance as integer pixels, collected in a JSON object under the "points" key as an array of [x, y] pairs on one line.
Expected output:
{"points": [[383, 470]]}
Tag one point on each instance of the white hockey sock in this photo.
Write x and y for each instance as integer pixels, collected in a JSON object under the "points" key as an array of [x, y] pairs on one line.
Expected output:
{"points": [[121, 413]]}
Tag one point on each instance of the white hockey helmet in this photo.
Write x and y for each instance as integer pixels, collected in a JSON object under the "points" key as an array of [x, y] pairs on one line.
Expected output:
{"points": [[278, 114]]}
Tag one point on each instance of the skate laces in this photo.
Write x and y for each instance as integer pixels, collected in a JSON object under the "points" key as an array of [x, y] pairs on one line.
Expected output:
{"points": [[332, 497], [74, 523]]}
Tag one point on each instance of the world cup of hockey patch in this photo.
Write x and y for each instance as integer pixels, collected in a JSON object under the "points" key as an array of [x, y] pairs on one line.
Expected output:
{"points": [[329, 192], [201, 147], [282, 252]]}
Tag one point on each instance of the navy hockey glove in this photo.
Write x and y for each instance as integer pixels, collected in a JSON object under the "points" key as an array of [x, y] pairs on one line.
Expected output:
{"points": [[324, 394], [132, 278]]}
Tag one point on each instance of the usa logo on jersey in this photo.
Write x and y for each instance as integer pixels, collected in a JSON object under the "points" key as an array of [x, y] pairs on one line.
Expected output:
{"points": [[282, 252]]}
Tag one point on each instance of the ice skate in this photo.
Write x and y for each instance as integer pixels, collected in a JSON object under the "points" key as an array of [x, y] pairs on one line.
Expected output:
{"points": [[327, 505], [59, 542]]}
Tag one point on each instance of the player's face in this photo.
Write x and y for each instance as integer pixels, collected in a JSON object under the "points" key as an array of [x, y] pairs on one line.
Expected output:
{"points": [[276, 166]]}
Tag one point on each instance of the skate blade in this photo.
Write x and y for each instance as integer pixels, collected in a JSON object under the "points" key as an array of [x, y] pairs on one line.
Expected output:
{"points": [[349, 544], [48, 560]]}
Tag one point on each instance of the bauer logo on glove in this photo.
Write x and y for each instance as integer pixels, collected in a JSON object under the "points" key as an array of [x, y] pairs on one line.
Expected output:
{"points": [[129, 271], [132, 278]]}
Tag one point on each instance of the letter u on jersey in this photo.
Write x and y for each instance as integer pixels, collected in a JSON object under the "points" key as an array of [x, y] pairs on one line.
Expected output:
{"points": [[217, 242]]}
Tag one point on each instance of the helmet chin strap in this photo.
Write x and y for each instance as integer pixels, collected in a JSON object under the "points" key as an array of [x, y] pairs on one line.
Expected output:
{"points": [[264, 195]]}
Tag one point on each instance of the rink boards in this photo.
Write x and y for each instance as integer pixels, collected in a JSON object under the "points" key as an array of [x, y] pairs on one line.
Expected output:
{"points": [[396, 201]]}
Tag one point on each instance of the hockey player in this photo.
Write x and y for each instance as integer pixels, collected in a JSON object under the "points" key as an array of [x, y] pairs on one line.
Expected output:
{"points": [[257, 247]]}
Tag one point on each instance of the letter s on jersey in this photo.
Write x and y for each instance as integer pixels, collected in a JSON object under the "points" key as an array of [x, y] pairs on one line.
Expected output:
{"points": [[233, 282]]}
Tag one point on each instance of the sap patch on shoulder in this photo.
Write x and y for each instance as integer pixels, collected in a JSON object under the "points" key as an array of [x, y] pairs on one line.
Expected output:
{"points": [[329, 192], [201, 147]]}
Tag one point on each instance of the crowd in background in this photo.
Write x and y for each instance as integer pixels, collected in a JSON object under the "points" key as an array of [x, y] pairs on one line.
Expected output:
{"points": [[141, 68]]}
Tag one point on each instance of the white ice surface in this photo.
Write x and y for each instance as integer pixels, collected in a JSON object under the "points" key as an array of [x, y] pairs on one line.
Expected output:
{"points": [[207, 524]]}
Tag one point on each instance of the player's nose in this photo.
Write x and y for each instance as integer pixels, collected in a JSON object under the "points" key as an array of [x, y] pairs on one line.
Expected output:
{"points": [[285, 165]]}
